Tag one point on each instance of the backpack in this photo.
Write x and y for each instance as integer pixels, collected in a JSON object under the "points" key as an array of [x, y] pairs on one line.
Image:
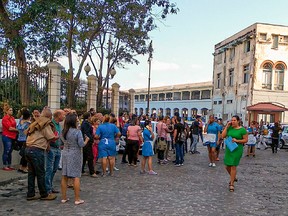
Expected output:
{"points": [[182, 135]]}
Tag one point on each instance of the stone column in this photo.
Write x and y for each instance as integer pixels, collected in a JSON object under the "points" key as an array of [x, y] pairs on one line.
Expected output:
{"points": [[115, 99], [54, 85], [132, 101], [92, 92]]}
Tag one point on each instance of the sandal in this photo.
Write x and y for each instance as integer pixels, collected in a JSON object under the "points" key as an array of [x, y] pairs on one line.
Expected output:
{"points": [[231, 187], [78, 202], [64, 200]]}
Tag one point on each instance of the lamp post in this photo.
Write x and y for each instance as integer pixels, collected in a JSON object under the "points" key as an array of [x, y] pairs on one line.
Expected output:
{"points": [[112, 73], [87, 69], [150, 49]]}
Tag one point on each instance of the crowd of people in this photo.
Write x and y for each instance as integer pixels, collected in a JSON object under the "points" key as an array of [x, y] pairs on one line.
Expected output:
{"points": [[62, 140]]}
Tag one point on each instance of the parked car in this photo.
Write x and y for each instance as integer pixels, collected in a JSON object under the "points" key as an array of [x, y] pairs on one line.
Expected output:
{"points": [[284, 137]]}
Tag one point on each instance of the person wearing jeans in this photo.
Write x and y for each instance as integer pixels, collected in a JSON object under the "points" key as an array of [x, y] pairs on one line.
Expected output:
{"points": [[39, 134], [54, 154], [194, 129], [178, 128], [9, 133]]}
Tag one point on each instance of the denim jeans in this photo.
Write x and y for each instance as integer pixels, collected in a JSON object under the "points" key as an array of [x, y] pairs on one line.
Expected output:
{"points": [[7, 150], [193, 146], [179, 153], [52, 164], [36, 169]]}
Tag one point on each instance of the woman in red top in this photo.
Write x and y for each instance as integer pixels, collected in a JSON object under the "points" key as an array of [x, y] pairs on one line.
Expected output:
{"points": [[9, 133]]}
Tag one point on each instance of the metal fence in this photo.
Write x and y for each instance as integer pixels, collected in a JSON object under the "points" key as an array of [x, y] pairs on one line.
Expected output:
{"points": [[37, 83]]}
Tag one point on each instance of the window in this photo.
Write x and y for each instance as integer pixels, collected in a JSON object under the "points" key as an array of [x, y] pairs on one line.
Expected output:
{"points": [[279, 77], [246, 74], [267, 76], [205, 94], [275, 41], [229, 101], [214, 102], [218, 84], [185, 95], [195, 95], [232, 53], [219, 102], [136, 98], [231, 77], [263, 36], [194, 112], [154, 97], [247, 46], [285, 39]]}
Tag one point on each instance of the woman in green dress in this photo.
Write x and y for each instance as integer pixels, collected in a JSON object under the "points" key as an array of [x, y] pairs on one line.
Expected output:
{"points": [[231, 160]]}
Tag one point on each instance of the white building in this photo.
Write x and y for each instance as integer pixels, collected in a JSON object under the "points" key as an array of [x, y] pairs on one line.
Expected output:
{"points": [[250, 74], [187, 99]]}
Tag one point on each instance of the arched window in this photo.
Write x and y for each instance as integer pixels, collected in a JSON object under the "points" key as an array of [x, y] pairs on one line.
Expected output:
{"points": [[168, 112], [136, 111], [194, 112], [267, 76], [160, 112], [204, 111], [141, 111], [185, 113], [279, 77], [176, 110]]}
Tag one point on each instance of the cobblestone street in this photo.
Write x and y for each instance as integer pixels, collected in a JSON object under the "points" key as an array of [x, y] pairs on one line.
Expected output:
{"points": [[193, 189]]}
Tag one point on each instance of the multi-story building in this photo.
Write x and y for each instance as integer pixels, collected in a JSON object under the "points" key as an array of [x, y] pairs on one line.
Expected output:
{"points": [[250, 74], [187, 99]]}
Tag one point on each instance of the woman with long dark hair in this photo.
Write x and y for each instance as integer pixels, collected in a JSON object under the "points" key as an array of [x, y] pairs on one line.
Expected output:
{"points": [[232, 158], [72, 157]]}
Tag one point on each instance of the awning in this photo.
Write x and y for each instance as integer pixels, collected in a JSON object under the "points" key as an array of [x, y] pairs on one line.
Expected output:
{"points": [[266, 107]]}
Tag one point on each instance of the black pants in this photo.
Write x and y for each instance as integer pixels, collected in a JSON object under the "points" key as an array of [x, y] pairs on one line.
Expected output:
{"points": [[274, 145], [161, 155], [88, 156], [132, 150], [23, 161]]}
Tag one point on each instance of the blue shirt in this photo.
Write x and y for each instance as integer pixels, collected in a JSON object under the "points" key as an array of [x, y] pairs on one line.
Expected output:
{"points": [[214, 128], [21, 128], [107, 130], [147, 135]]}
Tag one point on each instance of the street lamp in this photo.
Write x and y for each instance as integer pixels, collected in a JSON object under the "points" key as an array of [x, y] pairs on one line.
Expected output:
{"points": [[112, 73], [150, 50], [87, 69]]}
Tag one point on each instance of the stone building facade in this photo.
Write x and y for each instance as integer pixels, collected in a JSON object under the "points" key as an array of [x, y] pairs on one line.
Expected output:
{"points": [[250, 68]]}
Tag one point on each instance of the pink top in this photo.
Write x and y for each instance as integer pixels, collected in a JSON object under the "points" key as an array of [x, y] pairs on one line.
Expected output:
{"points": [[133, 132], [161, 130]]}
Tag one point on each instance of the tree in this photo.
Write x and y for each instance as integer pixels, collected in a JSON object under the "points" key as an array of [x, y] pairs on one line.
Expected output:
{"points": [[39, 31]]}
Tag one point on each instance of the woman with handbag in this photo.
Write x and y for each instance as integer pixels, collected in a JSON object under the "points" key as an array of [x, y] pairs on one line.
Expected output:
{"points": [[252, 130], [213, 134], [9, 134], [232, 158], [22, 126]]}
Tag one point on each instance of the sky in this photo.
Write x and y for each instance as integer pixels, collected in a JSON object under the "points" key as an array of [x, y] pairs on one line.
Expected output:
{"points": [[183, 44]]}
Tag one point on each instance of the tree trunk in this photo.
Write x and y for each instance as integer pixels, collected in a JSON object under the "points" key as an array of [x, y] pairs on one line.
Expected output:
{"points": [[99, 97], [21, 65]]}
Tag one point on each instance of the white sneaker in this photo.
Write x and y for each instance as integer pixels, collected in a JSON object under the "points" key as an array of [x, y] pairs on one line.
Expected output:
{"points": [[210, 164], [213, 165], [116, 169]]}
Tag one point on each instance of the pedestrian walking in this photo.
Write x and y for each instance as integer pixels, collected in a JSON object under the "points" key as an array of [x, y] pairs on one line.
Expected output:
{"points": [[252, 131], [231, 159], [194, 130], [211, 139], [276, 130], [179, 135]]}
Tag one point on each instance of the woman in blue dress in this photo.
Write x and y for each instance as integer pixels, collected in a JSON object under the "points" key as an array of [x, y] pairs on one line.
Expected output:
{"points": [[213, 134], [147, 148], [107, 133]]}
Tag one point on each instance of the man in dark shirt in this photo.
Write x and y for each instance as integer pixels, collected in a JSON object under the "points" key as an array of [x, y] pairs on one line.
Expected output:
{"points": [[194, 129], [178, 129]]}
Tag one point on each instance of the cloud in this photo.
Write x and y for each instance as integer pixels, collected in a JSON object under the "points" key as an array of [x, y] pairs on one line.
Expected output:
{"points": [[195, 66], [164, 66]]}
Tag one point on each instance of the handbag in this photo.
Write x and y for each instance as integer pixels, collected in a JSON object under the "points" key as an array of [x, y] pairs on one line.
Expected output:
{"points": [[162, 145], [230, 145], [209, 138]]}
